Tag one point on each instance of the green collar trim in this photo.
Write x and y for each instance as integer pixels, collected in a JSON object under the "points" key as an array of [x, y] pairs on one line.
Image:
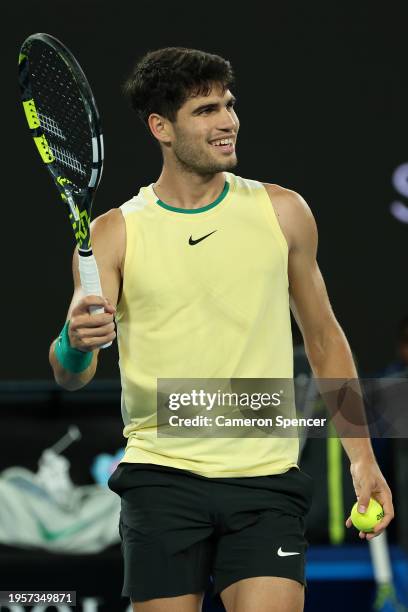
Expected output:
{"points": [[193, 211]]}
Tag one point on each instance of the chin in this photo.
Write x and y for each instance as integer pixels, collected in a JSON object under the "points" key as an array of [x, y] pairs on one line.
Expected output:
{"points": [[212, 166], [230, 164], [225, 165]]}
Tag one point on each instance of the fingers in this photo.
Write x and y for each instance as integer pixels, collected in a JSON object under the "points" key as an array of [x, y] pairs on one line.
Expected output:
{"points": [[362, 534], [87, 331], [364, 499], [93, 343], [370, 535], [385, 499], [90, 321], [87, 301], [85, 339], [365, 535]]}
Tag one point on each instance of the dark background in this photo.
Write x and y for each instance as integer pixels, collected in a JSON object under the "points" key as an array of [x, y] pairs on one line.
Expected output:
{"points": [[322, 98]]}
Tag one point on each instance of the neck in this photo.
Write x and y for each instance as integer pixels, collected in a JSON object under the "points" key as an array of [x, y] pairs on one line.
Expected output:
{"points": [[188, 189]]}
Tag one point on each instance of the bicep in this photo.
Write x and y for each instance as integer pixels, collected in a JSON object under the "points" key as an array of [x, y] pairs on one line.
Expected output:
{"points": [[108, 240], [309, 299]]}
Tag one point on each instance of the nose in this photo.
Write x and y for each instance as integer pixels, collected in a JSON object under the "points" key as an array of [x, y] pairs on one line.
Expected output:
{"points": [[228, 121]]}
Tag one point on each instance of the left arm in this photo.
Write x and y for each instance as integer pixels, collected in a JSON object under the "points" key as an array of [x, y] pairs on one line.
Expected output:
{"points": [[326, 345]]}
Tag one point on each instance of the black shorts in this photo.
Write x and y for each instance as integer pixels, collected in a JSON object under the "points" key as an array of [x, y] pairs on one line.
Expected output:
{"points": [[185, 533]]}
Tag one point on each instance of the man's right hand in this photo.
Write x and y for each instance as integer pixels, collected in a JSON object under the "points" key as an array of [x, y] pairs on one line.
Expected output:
{"points": [[88, 332]]}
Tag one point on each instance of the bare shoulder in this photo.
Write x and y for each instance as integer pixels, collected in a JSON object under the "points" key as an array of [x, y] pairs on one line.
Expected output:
{"points": [[111, 221], [108, 237], [287, 202], [294, 215]]}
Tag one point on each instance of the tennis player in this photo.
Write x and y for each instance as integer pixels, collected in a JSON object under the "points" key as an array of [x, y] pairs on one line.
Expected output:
{"points": [[200, 270]]}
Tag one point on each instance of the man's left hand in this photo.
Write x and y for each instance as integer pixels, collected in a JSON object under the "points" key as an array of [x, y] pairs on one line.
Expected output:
{"points": [[369, 482]]}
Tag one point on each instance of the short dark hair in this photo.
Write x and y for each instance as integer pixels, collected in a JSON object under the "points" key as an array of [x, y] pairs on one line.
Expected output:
{"points": [[162, 80]]}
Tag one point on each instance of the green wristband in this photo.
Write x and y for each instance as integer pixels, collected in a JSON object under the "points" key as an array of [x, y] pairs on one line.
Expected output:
{"points": [[71, 358]]}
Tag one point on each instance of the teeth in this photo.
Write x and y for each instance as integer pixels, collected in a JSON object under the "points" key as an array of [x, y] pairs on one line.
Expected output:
{"points": [[225, 141]]}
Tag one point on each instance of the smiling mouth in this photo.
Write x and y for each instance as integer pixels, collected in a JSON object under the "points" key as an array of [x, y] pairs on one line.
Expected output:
{"points": [[224, 145]]}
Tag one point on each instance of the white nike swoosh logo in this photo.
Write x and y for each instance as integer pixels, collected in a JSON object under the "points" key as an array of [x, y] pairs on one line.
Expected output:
{"points": [[281, 553]]}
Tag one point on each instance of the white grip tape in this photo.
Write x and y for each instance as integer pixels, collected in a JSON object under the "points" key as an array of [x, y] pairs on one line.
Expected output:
{"points": [[91, 284], [380, 557]]}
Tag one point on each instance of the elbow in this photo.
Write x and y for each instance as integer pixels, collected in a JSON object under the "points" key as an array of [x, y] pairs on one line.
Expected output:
{"points": [[324, 344], [70, 383], [64, 379]]}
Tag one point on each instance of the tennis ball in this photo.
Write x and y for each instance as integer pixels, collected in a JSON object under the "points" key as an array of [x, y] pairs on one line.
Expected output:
{"points": [[373, 515]]}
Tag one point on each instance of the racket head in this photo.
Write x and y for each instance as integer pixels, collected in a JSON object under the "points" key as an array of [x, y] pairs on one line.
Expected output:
{"points": [[64, 122]]}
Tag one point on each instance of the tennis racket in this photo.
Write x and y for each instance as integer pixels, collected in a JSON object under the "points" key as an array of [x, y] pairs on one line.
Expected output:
{"points": [[386, 599], [64, 122]]}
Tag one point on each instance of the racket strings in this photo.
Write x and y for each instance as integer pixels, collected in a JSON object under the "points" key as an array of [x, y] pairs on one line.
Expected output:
{"points": [[62, 113], [67, 159], [50, 126]]}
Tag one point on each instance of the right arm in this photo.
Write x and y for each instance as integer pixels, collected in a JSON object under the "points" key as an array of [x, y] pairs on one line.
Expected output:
{"points": [[88, 332]]}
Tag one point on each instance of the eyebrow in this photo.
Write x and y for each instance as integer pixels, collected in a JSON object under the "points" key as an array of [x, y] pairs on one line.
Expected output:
{"points": [[232, 100]]}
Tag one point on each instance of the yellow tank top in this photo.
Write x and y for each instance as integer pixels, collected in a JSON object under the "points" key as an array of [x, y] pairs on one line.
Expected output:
{"points": [[205, 295]]}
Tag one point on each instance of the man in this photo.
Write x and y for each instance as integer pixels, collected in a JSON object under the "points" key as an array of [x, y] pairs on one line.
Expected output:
{"points": [[200, 271]]}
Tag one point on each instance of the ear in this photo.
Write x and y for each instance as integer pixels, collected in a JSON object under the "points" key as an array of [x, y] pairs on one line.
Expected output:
{"points": [[160, 127]]}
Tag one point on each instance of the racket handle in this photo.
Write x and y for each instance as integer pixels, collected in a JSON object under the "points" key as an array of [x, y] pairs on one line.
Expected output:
{"points": [[380, 557], [91, 283]]}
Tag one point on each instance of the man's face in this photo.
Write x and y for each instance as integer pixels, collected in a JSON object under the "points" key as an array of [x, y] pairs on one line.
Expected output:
{"points": [[201, 124]]}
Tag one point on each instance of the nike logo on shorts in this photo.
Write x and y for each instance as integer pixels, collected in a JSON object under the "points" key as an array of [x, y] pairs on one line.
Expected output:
{"points": [[282, 553]]}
